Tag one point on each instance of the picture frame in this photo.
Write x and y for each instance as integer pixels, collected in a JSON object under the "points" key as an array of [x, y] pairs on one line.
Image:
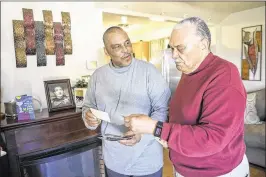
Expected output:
{"points": [[251, 53], [59, 95]]}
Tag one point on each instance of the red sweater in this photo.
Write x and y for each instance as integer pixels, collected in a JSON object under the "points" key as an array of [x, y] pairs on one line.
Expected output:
{"points": [[205, 133]]}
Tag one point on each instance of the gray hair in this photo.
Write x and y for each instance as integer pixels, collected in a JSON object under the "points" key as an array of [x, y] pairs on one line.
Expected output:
{"points": [[202, 29]]}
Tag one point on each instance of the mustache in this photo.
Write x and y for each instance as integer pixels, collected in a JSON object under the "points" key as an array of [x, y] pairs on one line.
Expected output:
{"points": [[178, 60], [126, 55]]}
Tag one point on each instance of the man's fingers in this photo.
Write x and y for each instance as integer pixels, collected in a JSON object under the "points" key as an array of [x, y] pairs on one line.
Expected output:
{"points": [[134, 115], [91, 119], [127, 121], [129, 133], [130, 142], [127, 124], [124, 142], [90, 115], [131, 116], [162, 142], [93, 123]]}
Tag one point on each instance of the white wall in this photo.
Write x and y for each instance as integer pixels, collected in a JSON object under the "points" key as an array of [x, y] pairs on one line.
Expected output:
{"points": [[228, 42], [151, 32], [164, 30], [86, 31]]}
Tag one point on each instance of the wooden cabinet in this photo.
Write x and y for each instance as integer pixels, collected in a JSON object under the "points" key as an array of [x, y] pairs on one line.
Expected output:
{"points": [[142, 50], [48, 135]]}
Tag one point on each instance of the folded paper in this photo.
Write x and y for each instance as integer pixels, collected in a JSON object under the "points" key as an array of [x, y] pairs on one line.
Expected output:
{"points": [[100, 115]]}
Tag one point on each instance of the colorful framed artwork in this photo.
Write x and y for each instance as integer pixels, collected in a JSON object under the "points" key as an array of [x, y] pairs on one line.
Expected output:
{"points": [[251, 57]]}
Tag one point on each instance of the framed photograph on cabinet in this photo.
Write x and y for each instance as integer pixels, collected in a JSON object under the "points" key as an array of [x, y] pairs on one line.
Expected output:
{"points": [[59, 95]]}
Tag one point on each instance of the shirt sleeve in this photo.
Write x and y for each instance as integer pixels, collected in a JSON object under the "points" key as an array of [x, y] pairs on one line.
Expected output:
{"points": [[159, 93], [222, 116], [90, 100]]}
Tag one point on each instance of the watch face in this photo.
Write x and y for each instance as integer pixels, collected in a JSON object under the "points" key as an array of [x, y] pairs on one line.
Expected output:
{"points": [[157, 131]]}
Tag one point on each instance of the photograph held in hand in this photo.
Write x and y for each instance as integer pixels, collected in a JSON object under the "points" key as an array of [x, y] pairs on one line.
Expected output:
{"points": [[103, 116]]}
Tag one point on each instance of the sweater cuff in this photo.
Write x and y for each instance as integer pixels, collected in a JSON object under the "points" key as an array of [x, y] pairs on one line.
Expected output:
{"points": [[165, 131]]}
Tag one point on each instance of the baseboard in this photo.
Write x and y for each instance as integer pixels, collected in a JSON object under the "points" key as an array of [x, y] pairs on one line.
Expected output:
{"points": [[257, 167]]}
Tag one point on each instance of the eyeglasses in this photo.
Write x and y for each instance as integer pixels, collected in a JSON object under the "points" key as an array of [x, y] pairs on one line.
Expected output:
{"points": [[120, 47]]}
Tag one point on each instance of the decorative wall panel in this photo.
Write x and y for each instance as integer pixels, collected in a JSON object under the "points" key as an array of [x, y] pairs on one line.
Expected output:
{"points": [[48, 31], [58, 38], [42, 38], [19, 43], [29, 28], [66, 23], [40, 48]]}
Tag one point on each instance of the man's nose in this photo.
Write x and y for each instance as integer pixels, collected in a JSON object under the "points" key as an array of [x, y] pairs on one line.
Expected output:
{"points": [[175, 55], [124, 49]]}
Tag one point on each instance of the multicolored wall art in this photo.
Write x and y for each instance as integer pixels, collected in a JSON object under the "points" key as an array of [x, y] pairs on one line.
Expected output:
{"points": [[42, 38], [251, 53]]}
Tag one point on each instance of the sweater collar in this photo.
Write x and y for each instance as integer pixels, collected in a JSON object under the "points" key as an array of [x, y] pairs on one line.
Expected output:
{"points": [[203, 64], [122, 69]]}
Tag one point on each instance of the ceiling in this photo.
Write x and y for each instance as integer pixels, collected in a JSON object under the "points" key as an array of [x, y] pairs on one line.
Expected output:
{"points": [[227, 7], [115, 19], [111, 19], [139, 28], [212, 12], [142, 28]]}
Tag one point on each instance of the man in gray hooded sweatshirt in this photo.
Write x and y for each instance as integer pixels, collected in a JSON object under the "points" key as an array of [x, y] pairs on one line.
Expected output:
{"points": [[127, 86]]}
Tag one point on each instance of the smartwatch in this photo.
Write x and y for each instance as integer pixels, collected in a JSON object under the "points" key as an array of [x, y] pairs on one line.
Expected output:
{"points": [[158, 129]]}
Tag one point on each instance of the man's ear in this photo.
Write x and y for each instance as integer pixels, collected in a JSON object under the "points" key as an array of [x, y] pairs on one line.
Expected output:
{"points": [[105, 51], [204, 44]]}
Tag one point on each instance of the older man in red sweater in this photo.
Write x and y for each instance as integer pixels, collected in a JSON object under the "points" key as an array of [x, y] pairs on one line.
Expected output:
{"points": [[205, 133]]}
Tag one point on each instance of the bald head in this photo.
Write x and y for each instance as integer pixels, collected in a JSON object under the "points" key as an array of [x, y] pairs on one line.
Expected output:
{"points": [[118, 46], [113, 29]]}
